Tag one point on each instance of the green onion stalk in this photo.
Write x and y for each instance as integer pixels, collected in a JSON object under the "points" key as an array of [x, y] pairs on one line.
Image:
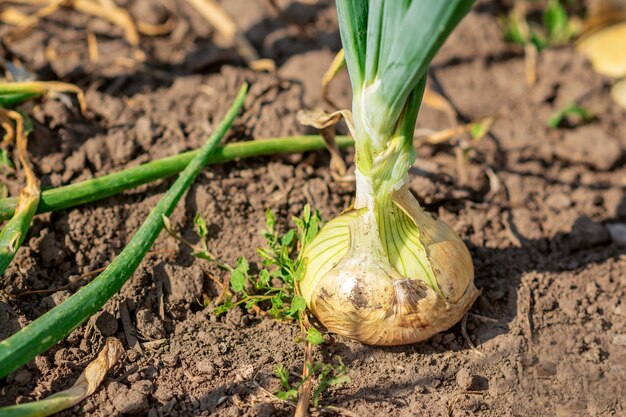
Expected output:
{"points": [[88, 191], [47, 330], [386, 272], [14, 231]]}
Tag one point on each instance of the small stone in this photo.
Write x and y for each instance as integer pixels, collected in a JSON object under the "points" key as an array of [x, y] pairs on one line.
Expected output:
{"points": [[85, 345], [60, 356], [170, 359], [163, 393], [144, 386], [617, 231], [464, 379], [132, 355], [592, 290], [569, 306], [586, 234], [150, 372], [143, 131], [205, 367], [42, 364], [106, 323], [149, 325]]}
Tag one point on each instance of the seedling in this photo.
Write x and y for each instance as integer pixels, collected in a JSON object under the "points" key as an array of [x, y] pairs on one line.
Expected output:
{"points": [[326, 375], [274, 285], [572, 111], [556, 28]]}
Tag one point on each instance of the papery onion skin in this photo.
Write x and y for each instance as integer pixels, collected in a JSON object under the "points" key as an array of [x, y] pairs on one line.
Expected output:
{"points": [[357, 293]]}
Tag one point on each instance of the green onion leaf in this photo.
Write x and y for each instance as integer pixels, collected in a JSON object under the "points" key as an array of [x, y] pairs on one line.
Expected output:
{"points": [[47, 330]]}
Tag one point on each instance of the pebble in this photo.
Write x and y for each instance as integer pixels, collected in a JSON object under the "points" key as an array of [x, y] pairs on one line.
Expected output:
{"points": [[617, 231], [149, 325], [205, 366], [106, 323], [569, 306], [592, 290], [144, 386], [464, 379], [170, 359], [586, 234]]}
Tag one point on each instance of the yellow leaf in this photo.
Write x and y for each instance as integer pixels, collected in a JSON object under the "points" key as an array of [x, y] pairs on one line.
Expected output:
{"points": [[606, 49]]}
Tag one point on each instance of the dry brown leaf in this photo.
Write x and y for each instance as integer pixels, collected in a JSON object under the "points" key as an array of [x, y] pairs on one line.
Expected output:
{"points": [[217, 17], [12, 16], [30, 21], [85, 385], [339, 61], [325, 122]]}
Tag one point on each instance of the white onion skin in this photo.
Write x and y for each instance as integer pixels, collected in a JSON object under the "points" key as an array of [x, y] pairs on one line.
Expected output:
{"points": [[353, 289]]}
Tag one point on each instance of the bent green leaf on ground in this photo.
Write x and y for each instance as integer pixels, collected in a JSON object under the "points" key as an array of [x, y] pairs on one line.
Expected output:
{"points": [[56, 324], [88, 191]]}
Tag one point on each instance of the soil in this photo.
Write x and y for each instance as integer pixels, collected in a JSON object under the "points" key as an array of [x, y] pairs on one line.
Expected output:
{"points": [[542, 211]]}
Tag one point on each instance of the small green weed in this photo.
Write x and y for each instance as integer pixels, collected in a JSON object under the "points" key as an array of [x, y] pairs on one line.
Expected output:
{"points": [[555, 28], [273, 287], [326, 375], [276, 282], [572, 111]]}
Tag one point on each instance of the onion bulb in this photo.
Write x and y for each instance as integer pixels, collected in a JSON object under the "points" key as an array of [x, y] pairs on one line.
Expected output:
{"points": [[388, 277]]}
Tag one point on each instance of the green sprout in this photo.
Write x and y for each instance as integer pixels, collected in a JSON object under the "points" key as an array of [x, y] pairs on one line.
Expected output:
{"points": [[572, 110], [274, 285], [326, 375]]}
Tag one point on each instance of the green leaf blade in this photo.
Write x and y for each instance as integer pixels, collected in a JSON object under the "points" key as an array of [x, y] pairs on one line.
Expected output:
{"points": [[57, 323]]}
